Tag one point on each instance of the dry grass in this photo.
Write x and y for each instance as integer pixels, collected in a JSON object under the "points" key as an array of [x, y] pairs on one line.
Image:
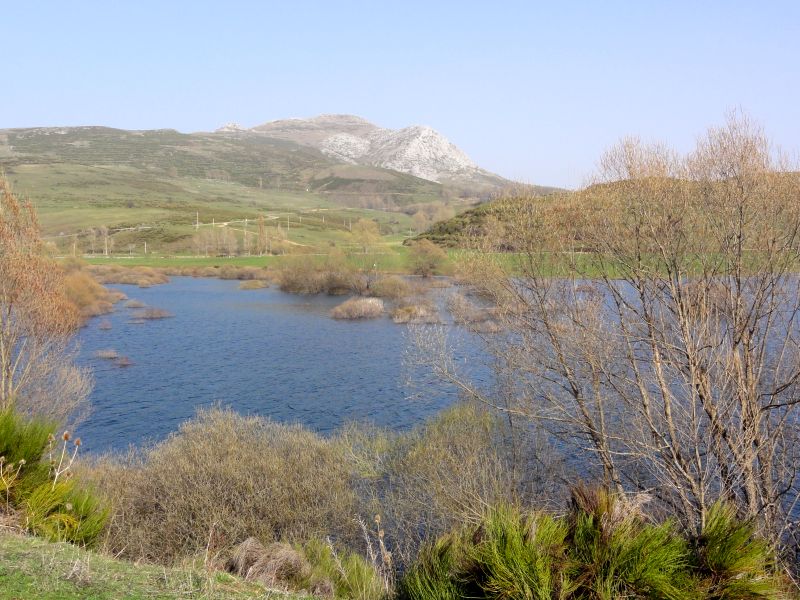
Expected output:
{"points": [[152, 314], [253, 284], [91, 298], [392, 287], [141, 276], [107, 354], [221, 479], [467, 313], [135, 304], [359, 308], [276, 565], [416, 310]]}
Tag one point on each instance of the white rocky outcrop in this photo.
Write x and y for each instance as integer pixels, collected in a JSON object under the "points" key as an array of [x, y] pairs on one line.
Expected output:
{"points": [[417, 150]]}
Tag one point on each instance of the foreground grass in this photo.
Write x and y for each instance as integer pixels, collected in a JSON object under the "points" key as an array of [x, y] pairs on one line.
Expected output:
{"points": [[33, 568]]}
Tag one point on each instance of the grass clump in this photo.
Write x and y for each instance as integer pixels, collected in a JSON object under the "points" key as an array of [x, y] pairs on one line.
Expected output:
{"points": [[359, 308], [144, 277], [314, 567], [152, 314], [36, 482], [417, 310], [392, 287], [253, 284], [603, 549]]}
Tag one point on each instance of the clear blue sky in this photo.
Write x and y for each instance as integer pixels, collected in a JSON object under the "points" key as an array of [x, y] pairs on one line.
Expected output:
{"points": [[531, 90]]}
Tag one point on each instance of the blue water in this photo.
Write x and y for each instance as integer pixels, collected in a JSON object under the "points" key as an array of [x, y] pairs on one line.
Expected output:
{"points": [[259, 351]]}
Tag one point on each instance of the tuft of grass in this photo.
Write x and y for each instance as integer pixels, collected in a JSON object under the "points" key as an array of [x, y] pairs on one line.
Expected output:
{"points": [[253, 284], [152, 314], [732, 559], [359, 308], [604, 550]]}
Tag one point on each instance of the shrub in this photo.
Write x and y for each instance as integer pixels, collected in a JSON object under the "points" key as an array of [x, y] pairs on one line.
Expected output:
{"points": [[220, 479], [425, 257], [359, 308], [91, 298], [432, 478], [392, 287]]}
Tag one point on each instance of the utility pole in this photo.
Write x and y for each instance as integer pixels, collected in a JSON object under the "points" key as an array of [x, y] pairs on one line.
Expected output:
{"points": [[244, 241], [145, 248], [197, 221]]}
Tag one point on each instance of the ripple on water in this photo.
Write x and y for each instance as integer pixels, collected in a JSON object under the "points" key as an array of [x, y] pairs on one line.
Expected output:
{"points": [[261, 352]]}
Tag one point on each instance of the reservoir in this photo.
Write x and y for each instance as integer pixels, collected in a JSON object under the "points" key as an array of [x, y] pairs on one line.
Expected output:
{"points": [[261, 352]]}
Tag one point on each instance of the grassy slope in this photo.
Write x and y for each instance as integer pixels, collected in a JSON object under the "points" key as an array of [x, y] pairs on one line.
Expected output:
{"points": [[93, 176], [33, 568]]}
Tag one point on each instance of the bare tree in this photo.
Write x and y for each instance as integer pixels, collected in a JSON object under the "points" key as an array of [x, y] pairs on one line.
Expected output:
{"points": [[37, 320], [652, 327]]}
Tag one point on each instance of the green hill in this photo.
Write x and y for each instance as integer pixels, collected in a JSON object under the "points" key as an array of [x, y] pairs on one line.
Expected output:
{"points": [[153, 186]]}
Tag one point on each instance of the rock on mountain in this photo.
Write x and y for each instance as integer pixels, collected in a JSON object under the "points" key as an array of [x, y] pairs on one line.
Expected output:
{"points": [[419, 151]]}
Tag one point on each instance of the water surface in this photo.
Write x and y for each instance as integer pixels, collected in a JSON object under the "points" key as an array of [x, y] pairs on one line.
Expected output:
{"points": [[259, 351]]}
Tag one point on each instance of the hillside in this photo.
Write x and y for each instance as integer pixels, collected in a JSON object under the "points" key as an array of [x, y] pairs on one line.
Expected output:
{"points": [[313, 176], [475, 222], [33, 568]]}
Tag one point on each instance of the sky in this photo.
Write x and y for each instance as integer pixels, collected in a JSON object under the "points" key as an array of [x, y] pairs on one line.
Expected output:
{"points": [[534, 91]]}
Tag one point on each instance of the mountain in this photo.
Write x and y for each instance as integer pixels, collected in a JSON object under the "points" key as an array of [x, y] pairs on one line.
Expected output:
{"points": [[153, 185], [417, 150]]}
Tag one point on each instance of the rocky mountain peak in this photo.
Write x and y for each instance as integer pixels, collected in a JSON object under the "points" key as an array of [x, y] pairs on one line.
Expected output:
{"points": [[418, 150]]}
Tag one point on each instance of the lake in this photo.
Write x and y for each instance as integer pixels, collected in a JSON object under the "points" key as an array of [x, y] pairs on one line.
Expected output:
{"points": [[260, 352]]}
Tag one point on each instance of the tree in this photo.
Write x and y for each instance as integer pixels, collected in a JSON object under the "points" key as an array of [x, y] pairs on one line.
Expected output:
{"points": [[653, 320], [262, 244], [425, 257], [421, 221], [366, 233], [37, 320]]}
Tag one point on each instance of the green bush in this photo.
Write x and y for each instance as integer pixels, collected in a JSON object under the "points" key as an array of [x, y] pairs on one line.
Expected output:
{"points": [[604, 549], [732, 561], [54, 508]]}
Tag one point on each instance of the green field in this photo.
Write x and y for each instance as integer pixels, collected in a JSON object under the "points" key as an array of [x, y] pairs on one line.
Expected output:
{"points": [[33, 568]]}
